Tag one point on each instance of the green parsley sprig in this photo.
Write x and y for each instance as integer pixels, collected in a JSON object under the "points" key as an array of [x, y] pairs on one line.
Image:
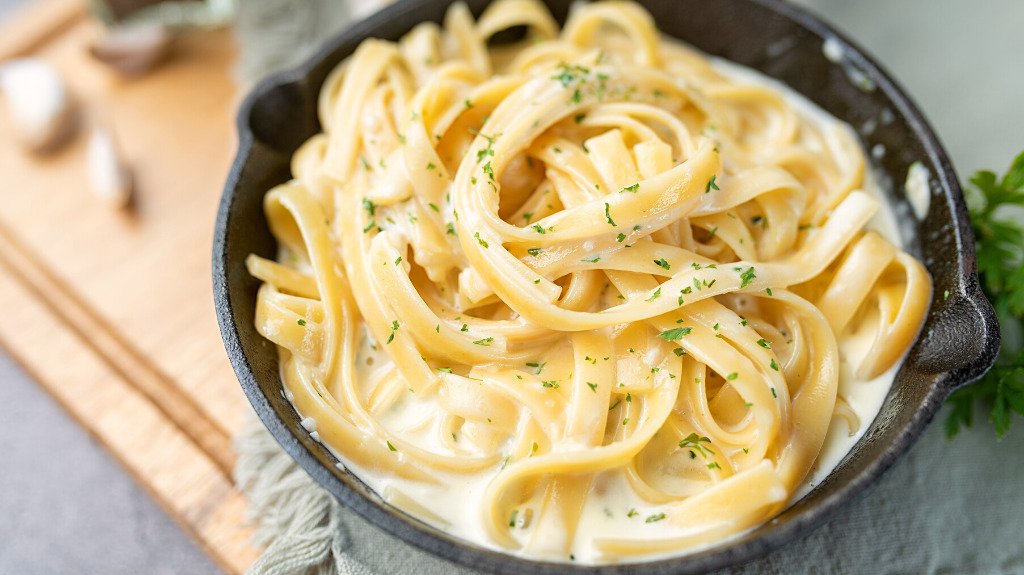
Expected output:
{"points": [[996, 206]]}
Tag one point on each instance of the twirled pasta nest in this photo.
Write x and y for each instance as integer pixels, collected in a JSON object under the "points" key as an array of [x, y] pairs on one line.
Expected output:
{"points": [[588, 277]]}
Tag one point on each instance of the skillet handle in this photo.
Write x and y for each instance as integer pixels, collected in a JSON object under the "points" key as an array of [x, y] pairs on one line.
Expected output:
{"points": [[962, 340]]}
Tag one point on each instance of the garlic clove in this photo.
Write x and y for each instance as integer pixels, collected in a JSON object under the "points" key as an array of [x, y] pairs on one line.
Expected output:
{"points": [[132, 49], [38, 102], [109, 176]]}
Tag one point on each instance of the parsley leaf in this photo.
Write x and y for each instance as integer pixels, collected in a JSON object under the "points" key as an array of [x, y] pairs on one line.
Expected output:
{"points": [[675, 333], [693, 443], [608, 215]]}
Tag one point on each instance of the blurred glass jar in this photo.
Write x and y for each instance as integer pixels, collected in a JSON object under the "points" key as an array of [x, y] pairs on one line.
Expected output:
{"points": [[136, 35], [170, 14]]}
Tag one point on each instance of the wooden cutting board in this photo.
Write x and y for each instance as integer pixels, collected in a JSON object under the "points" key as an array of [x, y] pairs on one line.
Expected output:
{"points": [[111, 310]]}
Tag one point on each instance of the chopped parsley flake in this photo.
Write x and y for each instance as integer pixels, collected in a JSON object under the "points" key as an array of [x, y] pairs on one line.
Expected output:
{"points": [[391, 447], [608, 215], [654, 518], [301, 322], [480, 240], [569, 74], [486, 341], [675, 333], [711, 184], [632, 188], [481, 154], [657, 294], [732, 376], [394, 328], [693, 443], [663, 263], [747, 277]]}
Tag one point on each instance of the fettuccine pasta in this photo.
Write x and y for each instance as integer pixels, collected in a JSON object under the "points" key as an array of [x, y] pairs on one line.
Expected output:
{"points": [[587, 296]]}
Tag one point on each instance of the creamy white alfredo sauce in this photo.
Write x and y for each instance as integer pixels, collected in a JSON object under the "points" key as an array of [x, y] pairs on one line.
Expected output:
{"points": [[612, 507]]}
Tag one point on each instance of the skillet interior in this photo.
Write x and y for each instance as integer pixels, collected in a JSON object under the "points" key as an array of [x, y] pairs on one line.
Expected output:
{"points": [[957, 344]]}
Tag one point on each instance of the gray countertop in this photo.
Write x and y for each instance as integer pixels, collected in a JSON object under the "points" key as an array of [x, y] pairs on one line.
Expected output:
{"points": [[68, 507]]}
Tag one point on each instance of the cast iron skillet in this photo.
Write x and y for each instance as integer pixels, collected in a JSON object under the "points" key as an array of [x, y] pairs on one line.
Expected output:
{"points": [[958, 343]]}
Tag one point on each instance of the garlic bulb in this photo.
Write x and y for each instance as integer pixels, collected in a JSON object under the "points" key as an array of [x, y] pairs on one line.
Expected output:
{"points": [[38, 102], [109, 176]]}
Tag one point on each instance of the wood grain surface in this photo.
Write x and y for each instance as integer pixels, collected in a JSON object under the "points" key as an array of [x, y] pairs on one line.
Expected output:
{"points": [[111, 310]]}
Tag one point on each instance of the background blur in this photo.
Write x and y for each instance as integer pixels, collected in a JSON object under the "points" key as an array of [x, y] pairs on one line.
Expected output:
{"points": [[68, 507]]}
